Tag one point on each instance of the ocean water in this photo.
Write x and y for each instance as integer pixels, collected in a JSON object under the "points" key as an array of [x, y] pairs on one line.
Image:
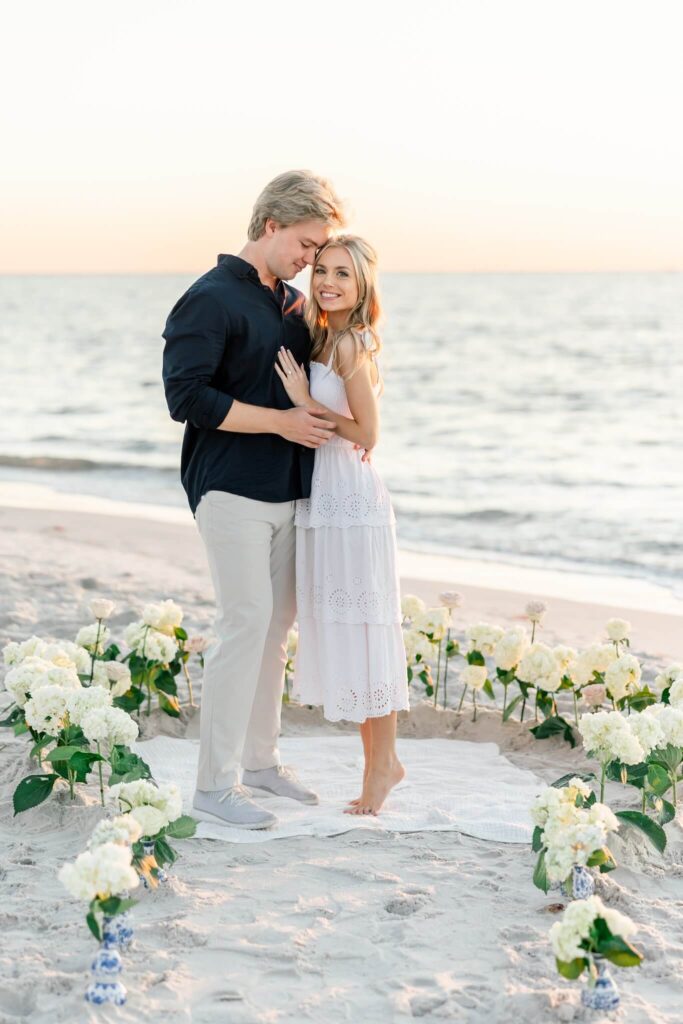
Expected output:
{"points": [[529, 418]]}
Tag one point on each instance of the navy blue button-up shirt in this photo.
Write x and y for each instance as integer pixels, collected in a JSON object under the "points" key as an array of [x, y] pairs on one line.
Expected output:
{"points": [[222, 338]]}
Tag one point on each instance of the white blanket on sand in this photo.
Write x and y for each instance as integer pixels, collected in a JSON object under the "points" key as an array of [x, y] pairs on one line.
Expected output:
{"points": [[450, 785]]}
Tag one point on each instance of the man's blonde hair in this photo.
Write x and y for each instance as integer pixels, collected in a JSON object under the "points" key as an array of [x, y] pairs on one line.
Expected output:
{"points": [[295, 196]]}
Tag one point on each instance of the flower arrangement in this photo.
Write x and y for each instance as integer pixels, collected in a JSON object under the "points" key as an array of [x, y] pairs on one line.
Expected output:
{"points": [[589, 930]]}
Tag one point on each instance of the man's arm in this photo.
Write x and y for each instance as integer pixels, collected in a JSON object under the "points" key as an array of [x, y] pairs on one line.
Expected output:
{"points": [[195, 335]]}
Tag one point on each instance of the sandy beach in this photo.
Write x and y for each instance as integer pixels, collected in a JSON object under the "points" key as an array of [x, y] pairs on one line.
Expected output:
{"points": [[366, 926]]}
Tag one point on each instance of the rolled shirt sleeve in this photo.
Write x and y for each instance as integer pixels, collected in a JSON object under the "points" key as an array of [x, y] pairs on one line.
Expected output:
{"points": [[196, 333]]}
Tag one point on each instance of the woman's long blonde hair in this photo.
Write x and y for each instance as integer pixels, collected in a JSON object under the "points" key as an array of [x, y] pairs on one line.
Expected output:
{"points": [[363, 318]]}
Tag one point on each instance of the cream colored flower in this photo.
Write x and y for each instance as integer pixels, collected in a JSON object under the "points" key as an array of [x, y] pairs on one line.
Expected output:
{"points": [[474, 676], [101, 608], [412, 607], [535, 610], [618, 630], [451, 599]]}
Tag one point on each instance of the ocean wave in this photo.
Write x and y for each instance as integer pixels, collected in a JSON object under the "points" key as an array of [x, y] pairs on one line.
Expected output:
{"points": [[60, 463]]}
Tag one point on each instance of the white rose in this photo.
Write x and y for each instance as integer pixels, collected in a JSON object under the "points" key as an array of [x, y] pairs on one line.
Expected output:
{"points": [[474, 676], [618, 630], [412, 607], [101, 608], [198, 644], [113, 676], [164, 616], [150, 819], [451, 599], [535, 610]]}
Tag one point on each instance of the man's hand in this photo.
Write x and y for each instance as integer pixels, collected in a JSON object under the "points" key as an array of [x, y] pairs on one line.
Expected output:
{"points": [[305, 427]]}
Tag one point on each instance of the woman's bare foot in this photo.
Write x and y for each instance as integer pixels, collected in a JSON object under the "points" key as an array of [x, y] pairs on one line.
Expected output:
{"points": [[352, 803], [380, 782]]}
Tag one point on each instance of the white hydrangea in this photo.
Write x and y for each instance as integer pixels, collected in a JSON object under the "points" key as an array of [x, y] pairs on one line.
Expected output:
{"points": [[412, 607], [150, 643], [670, 720], [601, 814], [483, 637], [415, 644], [565, 658], [32, 674], [163, 616], [548, 802], [676, 693], [47, 709], [607, 735], [99, 873], [123, 830], [110, 726], [618, 630], [648, 731], [82, 702], [58, 650], [574, 844], [673, 676], [13, 653], [474, 676], [101, 608], [113, 676], [595, 658], [622, 676], [540, 668], [510, 649], [434, 621], [567, 934], [88, 637]]}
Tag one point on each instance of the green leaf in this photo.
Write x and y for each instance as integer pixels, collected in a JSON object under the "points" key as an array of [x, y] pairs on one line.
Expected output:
{"points": [[664, 810], [114, 905], [654, 832], [571, 969], [475, 658], [488, 690], [61, 754], [506, 676], [164, 852], [111, 654], [540, 875], [32, 790], [170, 705], [94, 925], [82, 762], [553, 726], [452, 648], [536, 841], [182, 828], [19, 728], [565, 779], [410, 674], [127, 766], [619, 952], [130, 700], [628, 774], [658, 779], [15, 715], [165, 682], [511, 706], [180, 633]]}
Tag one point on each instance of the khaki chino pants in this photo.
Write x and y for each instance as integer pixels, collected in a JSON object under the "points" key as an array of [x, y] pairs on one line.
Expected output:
{"points": [[251, 552]]}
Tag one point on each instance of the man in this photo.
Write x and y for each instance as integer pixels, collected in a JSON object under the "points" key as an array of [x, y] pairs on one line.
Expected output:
{"points": [[247, 456]]}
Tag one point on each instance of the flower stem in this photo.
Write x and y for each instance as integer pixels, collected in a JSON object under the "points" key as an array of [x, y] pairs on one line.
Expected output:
{"points": [[438, 674], [99, 770], [474, 701], [94, 651], [445, 668], [189, 685], [533, 631], [576, 707], [521, 717], [462, 697], [603, 770], [644, 800]]}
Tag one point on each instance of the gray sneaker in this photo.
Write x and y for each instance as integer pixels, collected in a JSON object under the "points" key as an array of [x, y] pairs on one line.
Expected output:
{"points": [[281, 781], [231, 807]]}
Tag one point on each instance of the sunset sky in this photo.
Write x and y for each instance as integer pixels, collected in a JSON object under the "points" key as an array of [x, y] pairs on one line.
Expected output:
{"points": [[483, 135]]}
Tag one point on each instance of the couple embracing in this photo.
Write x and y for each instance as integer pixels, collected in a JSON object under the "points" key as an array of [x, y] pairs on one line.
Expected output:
{"points": [[280, 399]]}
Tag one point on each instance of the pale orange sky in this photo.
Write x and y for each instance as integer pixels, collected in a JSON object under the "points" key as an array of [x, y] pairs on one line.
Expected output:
{"points": [[483, 135]]}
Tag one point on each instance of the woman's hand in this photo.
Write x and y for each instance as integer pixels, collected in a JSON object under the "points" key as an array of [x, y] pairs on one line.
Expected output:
{"points": [[293, 378], [367, 452]]}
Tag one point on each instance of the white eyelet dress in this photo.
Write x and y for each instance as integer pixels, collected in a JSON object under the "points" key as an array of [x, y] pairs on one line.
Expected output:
{"points": [[350, 656]]}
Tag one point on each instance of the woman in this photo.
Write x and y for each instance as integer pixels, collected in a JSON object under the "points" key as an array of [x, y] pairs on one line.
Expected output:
{"points": [[350, 655]]}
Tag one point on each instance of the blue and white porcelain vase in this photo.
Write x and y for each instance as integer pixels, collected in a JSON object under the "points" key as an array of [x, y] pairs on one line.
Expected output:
{"points": [[600, 993], [148, 847], [122, 926], [583, 883], [106, 986]]}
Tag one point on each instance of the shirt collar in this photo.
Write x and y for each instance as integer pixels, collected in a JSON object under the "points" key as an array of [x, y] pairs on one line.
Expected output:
{"points": [[237, 265]]}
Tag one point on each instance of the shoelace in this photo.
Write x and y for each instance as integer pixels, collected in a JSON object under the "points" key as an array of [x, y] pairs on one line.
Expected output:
{"points": [[287, 773], [239, 794]]}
